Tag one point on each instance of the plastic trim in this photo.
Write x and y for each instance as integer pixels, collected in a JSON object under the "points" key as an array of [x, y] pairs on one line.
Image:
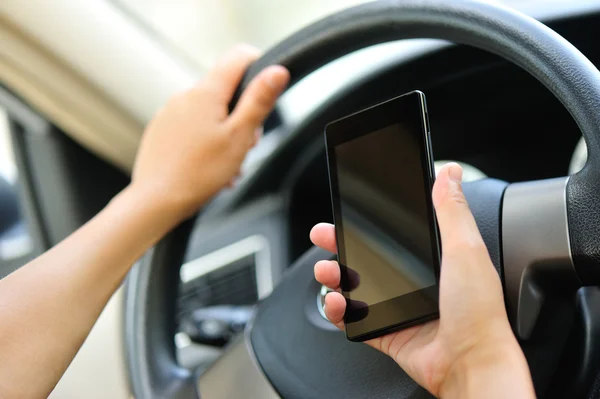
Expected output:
{"points": [[536, 248]]}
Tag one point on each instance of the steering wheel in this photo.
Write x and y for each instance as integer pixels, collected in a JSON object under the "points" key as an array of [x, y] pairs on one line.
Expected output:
{"points": [[542, 235]]}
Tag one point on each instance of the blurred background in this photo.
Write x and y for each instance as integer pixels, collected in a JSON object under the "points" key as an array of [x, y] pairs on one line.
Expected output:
{"points": [[203, 29]]}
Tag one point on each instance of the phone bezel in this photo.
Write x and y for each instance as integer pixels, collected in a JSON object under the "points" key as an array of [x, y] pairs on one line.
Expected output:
{"points": [[382, 318]]}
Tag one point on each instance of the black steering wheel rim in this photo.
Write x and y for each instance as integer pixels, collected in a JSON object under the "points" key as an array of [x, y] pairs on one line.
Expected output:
{"points": [[511, 35], [549, 58]]}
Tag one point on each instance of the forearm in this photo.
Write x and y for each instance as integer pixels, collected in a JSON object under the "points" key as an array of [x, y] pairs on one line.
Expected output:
{"points": [[490, 375], [48, 307]]}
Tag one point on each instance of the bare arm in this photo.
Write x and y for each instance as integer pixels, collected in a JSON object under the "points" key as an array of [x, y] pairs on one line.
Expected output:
{"points": [[191, 150]]}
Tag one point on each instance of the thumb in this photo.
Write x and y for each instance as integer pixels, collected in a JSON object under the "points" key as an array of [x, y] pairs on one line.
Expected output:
{"points": [[455, 220]]}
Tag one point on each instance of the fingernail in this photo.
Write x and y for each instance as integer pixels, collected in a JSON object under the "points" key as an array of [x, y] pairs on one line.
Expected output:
{"points": [[277, 78], [455, 172]]}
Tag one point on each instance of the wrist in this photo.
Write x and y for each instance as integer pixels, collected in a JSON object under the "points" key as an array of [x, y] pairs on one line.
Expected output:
{"points": [[493, 371], [156, 203]]}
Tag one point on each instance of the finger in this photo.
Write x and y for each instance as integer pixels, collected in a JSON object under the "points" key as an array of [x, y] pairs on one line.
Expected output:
{"points": [[323, 236], [227, 73], [258, 99], [457, 225], [335, 307], [327, 272]]}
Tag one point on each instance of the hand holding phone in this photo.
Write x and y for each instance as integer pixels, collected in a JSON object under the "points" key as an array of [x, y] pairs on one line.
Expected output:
{"points": [[472, 341], [381, 175]]}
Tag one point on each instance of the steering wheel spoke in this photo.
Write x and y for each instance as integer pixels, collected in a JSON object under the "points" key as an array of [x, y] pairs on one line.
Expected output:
{"points": [[536, 249]]}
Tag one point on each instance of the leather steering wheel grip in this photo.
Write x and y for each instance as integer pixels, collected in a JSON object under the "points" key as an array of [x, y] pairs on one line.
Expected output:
{"points": [[534, 47]]}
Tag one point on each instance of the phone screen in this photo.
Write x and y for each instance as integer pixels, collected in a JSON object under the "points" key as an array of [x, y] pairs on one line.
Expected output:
{"points": [[388, 246]]}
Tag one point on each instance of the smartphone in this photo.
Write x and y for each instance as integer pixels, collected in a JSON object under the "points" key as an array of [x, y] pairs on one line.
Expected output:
{"points": [[381, 175]]}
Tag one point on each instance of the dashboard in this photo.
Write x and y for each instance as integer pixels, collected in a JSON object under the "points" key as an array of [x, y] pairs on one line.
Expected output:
{"points": [[483, 112]]}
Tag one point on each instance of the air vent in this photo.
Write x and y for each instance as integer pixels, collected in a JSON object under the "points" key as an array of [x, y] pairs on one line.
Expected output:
{"points": [[238, 274], [233, 285]]}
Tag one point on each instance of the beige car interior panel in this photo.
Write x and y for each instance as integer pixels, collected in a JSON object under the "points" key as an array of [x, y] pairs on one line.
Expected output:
{"points": [[99, 85], [68, 101]]}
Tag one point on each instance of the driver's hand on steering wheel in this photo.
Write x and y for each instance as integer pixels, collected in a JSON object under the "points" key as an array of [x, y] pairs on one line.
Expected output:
{"points": [[193, 147], [470, 352]]}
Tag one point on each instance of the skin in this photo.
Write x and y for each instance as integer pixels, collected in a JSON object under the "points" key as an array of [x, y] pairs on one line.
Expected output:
{"points": [[191, 150], [470, 352]]}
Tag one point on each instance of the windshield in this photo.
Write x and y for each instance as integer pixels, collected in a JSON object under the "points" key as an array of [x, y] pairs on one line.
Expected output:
{"points": [[202, 30]]}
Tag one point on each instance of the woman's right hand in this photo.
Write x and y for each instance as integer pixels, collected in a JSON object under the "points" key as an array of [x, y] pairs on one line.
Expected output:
{"points": [[470, 352]]}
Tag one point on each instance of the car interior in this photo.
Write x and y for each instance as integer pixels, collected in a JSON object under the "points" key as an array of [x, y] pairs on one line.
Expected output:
{"points": [[226, 305]]}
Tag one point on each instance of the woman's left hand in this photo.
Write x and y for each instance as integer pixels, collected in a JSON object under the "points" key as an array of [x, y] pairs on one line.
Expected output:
{"points": [[193, 147]]}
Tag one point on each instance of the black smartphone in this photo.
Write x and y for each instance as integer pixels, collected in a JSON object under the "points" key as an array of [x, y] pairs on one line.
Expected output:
{"points": [[381, 175]]}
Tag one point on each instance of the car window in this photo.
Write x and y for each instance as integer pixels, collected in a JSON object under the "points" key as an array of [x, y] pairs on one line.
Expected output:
{"points": [[15, 239], [202, 30]]}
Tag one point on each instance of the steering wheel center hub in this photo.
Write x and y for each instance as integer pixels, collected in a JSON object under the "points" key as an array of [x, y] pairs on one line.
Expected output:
{"points": [[321, 300]]}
